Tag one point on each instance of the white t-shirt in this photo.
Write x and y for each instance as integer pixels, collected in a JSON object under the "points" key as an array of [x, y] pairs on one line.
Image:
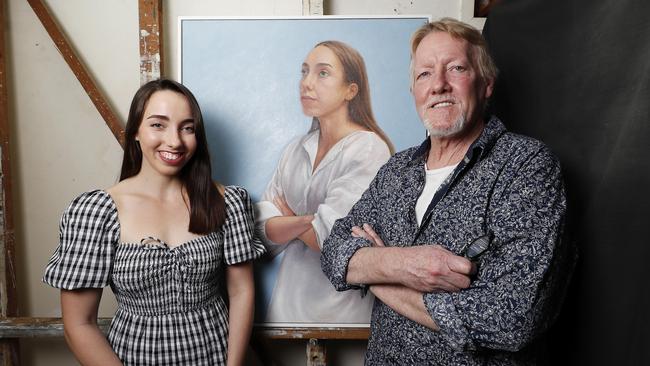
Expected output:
{"points": [[435, 177], [302, 293]]}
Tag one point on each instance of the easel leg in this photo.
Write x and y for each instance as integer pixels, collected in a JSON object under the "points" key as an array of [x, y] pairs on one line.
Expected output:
{"points": [[9, 352], [316, 353]]}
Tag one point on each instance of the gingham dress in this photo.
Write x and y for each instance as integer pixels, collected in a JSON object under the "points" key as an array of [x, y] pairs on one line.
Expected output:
{"points": [[170, 306]]}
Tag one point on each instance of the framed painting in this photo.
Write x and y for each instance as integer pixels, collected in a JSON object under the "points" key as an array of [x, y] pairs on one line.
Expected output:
{"points": [[245, 73]]}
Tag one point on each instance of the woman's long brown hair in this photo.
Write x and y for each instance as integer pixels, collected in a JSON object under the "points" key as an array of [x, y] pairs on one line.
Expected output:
{"points": [[359, 107], [207, 206]]}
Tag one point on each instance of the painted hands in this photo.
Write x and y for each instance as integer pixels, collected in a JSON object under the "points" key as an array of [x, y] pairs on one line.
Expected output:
{"points": [[282, 205]]}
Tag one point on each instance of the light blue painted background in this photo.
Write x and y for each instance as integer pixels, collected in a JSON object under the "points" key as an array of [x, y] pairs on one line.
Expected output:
{"points": [[245, 74]]}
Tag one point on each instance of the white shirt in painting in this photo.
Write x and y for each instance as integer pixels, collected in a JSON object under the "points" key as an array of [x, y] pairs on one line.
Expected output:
{"points": [[302, 293]]}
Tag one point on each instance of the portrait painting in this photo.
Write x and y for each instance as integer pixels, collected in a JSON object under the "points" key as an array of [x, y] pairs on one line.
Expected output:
{"points": [[268, 88]]}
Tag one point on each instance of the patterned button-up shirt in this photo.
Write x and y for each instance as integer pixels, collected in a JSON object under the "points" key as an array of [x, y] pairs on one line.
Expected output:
{"points": [[508, 187]]}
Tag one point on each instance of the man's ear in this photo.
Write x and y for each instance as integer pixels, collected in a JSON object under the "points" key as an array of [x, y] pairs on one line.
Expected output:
{"points": [[489, 88], [353, 89]]}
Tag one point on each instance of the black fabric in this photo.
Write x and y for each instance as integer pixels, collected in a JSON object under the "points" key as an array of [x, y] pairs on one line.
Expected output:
{"points": [[576, 74]]}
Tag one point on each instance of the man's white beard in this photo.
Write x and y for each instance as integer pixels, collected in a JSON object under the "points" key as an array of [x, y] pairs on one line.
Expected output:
{"points": [[454, 129]]}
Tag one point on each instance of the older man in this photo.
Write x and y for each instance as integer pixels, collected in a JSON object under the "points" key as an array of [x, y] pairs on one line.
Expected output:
{"points": [[459, 238]]}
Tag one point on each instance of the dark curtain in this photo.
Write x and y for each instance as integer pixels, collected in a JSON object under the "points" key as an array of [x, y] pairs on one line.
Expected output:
{"points": [[576, 75]]}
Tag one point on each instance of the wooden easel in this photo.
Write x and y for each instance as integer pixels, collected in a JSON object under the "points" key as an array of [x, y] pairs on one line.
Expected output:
{"points": [[315, 348]]}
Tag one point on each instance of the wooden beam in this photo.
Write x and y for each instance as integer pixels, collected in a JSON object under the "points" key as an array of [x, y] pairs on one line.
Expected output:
{"points": [[8, 283], [78, 68], [53, 327], [307, 333], [312, 7], [8, 303], [39, 327], [151, 40]]}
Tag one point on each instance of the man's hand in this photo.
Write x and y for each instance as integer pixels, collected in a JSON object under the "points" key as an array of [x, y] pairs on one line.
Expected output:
{"points": [[432, 268], [368, 233], [425, 268]]}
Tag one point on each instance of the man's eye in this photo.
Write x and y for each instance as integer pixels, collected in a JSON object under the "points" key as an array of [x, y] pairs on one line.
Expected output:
{"points": [[423, 74], [323, 73], [304, 72]]}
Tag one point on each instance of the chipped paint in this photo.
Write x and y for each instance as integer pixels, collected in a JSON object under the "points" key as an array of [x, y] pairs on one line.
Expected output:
{"points": [[150, 40], [312, 7]]}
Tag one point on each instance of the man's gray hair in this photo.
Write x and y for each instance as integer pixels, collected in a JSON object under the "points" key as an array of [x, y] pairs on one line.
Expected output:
{"points": [[478, 52]]}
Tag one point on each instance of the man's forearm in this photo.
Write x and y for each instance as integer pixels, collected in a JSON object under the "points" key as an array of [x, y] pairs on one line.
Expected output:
{"points": [[374, 265], [406, 302], [424, 268]]}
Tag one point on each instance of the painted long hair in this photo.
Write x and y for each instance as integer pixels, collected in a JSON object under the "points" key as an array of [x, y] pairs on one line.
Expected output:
{"points": [[207, 206], [359, 107]]}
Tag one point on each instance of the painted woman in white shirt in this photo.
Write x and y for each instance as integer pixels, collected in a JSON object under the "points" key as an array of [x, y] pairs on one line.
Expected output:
{"points": [[318, 179]]}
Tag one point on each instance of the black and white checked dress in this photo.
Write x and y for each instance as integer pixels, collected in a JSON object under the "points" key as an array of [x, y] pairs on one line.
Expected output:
{"points": [[170, 308]]}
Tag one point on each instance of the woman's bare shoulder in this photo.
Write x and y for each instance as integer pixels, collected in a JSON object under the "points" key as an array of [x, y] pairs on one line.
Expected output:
{"points": [[121, 188], [128, 191]]}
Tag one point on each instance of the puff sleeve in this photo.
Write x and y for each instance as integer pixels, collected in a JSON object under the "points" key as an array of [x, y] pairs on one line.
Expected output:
{"points": [[88, 234], [240, 242]]}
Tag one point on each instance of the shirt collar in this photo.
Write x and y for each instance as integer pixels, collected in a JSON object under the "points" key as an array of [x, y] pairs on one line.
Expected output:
{"points": [[493, 129]]}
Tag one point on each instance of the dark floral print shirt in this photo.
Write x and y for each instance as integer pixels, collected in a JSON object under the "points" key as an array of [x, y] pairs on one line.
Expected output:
{"points": [[508, 187]]}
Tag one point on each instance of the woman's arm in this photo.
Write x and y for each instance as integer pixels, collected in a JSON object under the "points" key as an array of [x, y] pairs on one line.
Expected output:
{"points": [[283, 229], [310, 239], [85, 339], [241, 292]]}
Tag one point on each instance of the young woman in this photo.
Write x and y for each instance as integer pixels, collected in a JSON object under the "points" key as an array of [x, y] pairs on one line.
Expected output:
{"points": [[163, 238], [318, 179]]}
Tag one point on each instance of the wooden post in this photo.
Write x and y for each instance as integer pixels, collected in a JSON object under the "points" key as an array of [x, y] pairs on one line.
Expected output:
{"points": [[312, 7], [151, 40], [78, 68], [8, 303], [316, 353], [39, 327]]}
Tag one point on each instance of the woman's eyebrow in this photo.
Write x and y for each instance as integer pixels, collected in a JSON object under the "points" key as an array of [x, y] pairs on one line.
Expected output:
{"points": [[321, 64], [158, 116]]}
